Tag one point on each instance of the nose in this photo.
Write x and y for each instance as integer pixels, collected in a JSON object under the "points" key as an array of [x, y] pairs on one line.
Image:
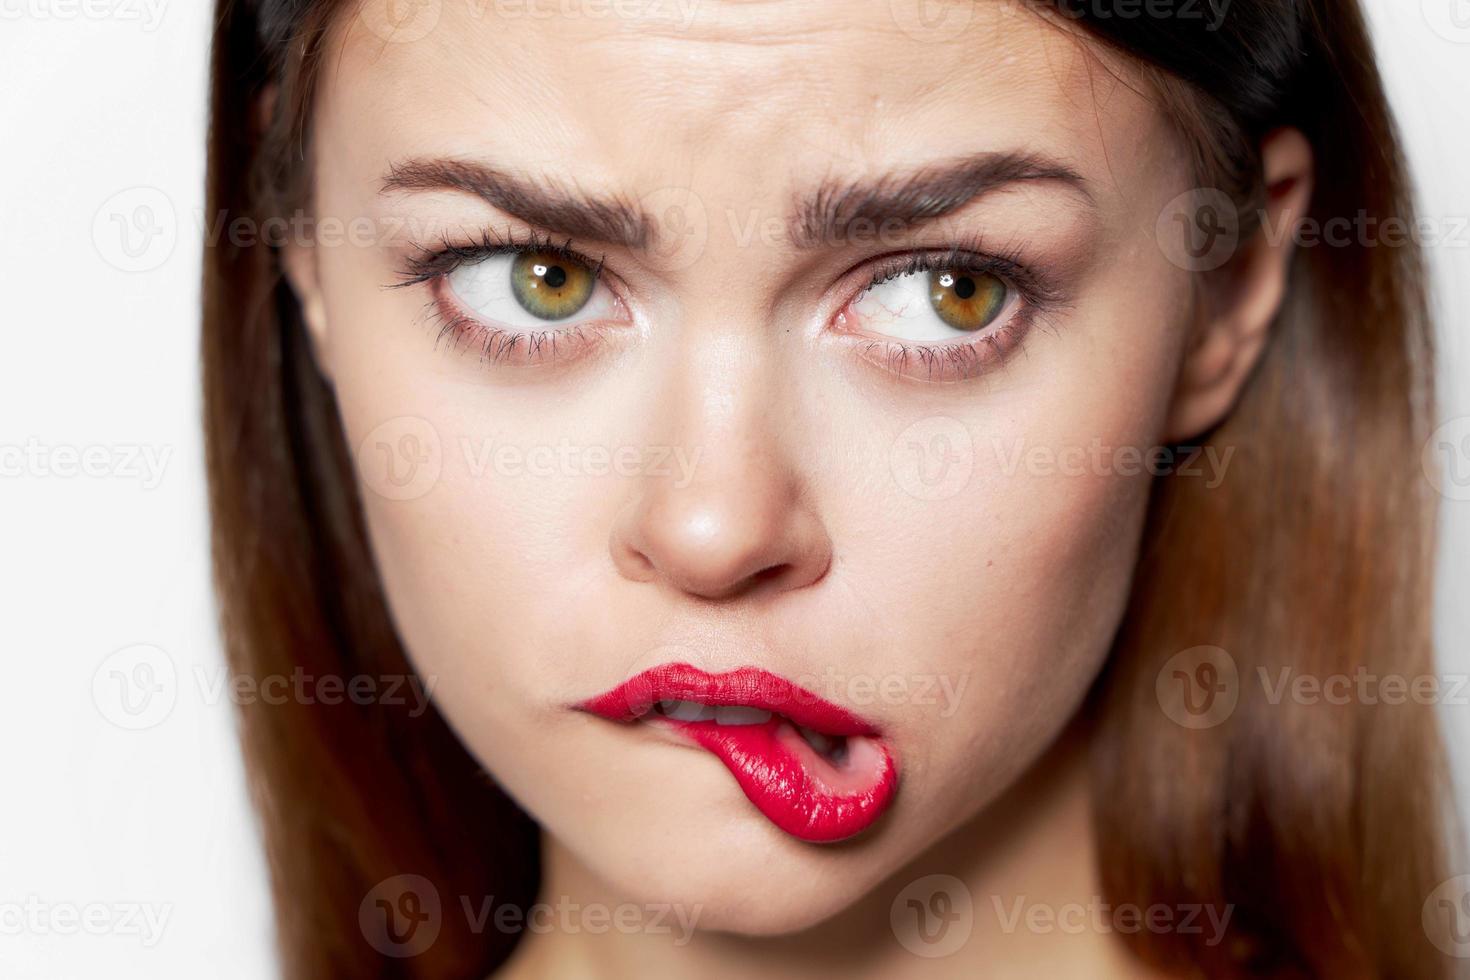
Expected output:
{"points": [[725, 536], [734, 521]]}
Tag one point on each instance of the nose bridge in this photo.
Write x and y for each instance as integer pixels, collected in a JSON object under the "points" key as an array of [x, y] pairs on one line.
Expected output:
{"points": [[731, 518]]}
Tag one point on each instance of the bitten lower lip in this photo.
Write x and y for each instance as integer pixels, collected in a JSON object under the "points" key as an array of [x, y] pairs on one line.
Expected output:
{"points": [[816, 795]]}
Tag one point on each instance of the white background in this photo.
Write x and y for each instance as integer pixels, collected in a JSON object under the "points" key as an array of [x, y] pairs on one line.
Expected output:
{"points": [[101, 96]]}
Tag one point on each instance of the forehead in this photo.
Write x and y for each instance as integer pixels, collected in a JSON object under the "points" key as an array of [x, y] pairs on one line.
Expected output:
{"points": [[629, 94]]}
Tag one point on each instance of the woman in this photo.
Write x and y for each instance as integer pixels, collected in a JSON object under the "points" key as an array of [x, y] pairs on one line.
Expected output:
{"points": [[803, 450]]}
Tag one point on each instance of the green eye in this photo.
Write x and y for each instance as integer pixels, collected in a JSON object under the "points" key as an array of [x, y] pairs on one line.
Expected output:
{"points": [[966, 300], [550, 286]]}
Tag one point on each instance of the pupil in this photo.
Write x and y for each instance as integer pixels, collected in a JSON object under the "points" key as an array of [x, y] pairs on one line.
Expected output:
{"points": [[964, 287], [556, 277]]}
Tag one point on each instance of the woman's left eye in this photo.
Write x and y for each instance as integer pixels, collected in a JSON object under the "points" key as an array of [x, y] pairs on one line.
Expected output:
{"points": [[531, 289], [940, 304]]}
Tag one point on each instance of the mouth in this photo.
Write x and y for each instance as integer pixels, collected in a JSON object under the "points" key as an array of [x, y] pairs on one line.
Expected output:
{"points": [[814, 769]]}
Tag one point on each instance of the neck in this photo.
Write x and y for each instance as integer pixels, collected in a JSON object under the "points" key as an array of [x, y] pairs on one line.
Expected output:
{"points": [[1028, 863]]}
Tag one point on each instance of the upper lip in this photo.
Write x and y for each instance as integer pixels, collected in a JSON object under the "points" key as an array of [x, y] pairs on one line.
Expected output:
{"points": [[749, 686]]}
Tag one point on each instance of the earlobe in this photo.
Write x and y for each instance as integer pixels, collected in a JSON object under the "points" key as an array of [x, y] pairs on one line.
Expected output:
{"points": [[1239, 302]]}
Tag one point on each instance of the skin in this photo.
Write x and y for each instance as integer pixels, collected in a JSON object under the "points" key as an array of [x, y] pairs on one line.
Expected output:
{"points": [[794, 545]]}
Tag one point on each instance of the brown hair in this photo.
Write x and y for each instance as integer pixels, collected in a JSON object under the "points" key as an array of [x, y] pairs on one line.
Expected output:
{"points": [[1320, 826]]}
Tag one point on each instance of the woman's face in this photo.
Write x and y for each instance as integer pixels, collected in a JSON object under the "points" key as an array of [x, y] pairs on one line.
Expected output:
{"points": [[730, 448]]}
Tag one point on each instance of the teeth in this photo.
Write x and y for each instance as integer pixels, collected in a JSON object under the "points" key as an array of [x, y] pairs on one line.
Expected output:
{"points": [[724, 714], [740, 714], [686, 710]]}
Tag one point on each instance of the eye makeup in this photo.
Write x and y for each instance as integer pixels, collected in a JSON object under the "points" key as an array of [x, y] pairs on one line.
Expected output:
{"points": [[939, 314], [542, 285], [981, 304]]}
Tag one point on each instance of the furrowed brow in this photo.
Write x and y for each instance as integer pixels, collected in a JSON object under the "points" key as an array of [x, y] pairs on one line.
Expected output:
{"points": [[835, 211], [609, 221]]}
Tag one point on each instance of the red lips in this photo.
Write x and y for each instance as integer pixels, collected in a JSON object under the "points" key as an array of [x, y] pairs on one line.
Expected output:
{"points": [[815, 770]]}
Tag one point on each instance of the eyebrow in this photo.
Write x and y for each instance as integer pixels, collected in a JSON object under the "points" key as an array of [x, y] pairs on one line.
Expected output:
{"points": [[610, 220], [838, 210], [832, 212]]}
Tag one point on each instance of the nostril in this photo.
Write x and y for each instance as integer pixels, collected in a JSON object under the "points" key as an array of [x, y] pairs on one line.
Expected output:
{"points": [[772, 574], [720, 540]]}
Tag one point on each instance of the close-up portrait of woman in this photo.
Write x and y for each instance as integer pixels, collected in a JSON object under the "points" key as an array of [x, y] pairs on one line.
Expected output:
{"points": [[743, 488]]}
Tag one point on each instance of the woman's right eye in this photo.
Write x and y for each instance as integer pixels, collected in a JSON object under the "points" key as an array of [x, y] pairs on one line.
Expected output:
{"points": [[531, 289]]}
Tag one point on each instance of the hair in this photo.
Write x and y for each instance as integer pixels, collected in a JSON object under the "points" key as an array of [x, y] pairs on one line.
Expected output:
{"points": [[1322, 828]]}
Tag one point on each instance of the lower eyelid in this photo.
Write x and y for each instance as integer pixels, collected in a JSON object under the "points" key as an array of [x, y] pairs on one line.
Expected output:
{"points": [[946, 361], [503, 345]]}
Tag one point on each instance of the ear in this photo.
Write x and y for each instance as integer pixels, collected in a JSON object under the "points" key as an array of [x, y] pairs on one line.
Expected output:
{"points": [[297, 257], [1240, 300], [299, 263]]}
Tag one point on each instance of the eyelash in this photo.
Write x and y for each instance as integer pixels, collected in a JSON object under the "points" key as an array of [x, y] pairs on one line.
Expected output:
{"points": [[956, 360], [946, 361], [496, 344]]}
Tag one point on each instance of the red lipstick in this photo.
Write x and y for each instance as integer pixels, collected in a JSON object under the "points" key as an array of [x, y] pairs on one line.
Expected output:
{"points": [[815, 770]]}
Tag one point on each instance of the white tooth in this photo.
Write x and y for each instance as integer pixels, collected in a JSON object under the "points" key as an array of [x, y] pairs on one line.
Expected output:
{"points": [[687, 710], [741, 714]]}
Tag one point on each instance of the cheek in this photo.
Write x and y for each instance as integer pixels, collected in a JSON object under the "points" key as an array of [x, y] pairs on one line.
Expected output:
{"points": [[994, 551]]}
